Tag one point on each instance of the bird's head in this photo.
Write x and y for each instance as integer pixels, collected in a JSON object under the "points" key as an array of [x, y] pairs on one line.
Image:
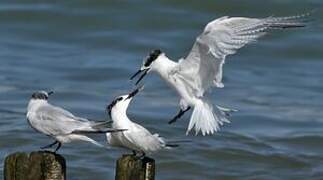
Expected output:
{"points": [[121, 103], [147, 64], [41, 95]]}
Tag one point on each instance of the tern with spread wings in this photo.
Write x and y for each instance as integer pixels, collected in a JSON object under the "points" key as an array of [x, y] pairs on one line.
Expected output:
{"points": [[202, 69]]}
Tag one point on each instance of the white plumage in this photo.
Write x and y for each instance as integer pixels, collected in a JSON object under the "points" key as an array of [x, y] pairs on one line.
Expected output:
{"points": [[60, 124], [136, 137], [222, 37], [203, 67]]}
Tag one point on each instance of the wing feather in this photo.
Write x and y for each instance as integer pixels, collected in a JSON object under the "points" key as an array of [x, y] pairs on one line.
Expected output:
{"points": [[142, 139], [57, 121], [202, 68]]}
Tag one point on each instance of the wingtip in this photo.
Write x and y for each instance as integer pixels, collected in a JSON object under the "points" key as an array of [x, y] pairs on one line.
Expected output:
{"points": [[116, 130], [297, 21]]}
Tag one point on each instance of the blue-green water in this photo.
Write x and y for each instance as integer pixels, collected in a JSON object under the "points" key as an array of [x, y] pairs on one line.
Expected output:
{"points": [[86, 50]]}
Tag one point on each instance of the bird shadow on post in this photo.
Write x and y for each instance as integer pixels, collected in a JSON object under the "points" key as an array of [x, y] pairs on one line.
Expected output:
{"points": [[131, 167], [38, 165]]}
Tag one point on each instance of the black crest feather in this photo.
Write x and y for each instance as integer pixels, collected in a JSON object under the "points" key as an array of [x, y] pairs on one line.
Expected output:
{"points": [[152, 57], [40, 95]]}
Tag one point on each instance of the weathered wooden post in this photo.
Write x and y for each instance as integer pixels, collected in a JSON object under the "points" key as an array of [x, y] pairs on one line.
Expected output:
{"points": [[39, 165], [130, 167]]}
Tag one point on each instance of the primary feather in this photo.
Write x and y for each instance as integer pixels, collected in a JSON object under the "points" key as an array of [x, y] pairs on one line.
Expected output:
{"points": [[202, 68]]}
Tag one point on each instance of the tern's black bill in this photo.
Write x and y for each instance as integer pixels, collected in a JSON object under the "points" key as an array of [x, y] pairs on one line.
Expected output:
{"points": [[142, 76], [136, 74], [50, 93], [134, 92], [145, 71]]}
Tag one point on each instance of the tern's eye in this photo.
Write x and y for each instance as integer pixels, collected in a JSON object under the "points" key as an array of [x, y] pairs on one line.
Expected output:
{"points": [[148, 61]]}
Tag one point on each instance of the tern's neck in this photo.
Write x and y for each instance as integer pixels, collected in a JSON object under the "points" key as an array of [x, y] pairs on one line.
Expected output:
{"points": [[35, 103], [119, 117], [163, 65]]}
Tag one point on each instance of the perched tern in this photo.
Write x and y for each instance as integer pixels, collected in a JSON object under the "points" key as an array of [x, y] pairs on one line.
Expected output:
{"points": [[136, 138], [192, 76], [60, 124]]}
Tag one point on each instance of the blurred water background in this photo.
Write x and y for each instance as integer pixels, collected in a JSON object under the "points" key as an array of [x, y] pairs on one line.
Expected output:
{"points": [[86, 51]]}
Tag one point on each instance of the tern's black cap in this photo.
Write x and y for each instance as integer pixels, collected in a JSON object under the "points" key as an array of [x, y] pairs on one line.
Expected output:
{"points": [[112, 104], [152, 57], [41, 95]]}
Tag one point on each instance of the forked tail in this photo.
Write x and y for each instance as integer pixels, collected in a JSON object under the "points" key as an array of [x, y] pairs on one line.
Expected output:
{"points": [[169, 144], [175, 143], [85, 138], [206, 118], [96, 127]]}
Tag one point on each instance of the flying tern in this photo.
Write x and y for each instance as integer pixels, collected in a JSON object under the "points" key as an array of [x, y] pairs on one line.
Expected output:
{"points": [[202, 68]]}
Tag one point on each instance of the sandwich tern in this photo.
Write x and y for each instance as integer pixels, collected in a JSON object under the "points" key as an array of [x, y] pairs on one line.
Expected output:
{"points": [[60, 124], [202, 69], [136, 138]]}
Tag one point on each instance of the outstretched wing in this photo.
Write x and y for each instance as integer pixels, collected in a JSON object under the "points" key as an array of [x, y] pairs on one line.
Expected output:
{"points": [[202, 68]]}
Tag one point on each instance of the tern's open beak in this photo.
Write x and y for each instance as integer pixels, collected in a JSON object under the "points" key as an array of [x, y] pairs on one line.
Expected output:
{"points": [[145, 71], [134, 92], [50, 93], [136, 74]]}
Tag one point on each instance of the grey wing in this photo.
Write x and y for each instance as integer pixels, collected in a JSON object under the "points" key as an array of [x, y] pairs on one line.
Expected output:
{"points": [[144, 140], [202, 68], [56, 121]]}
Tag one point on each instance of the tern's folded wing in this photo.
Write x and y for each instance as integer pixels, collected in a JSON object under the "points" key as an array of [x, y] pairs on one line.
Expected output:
{"points": [[56, 121], [142, 139], [202, 68]]}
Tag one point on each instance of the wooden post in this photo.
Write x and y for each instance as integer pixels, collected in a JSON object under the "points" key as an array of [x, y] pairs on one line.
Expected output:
{"points": [[130, 167], [39, 165]]}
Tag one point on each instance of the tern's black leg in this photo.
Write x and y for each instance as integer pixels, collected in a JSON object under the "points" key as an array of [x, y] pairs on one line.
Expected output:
{"points": [[59, 146], [179, 114], [49, 145]]}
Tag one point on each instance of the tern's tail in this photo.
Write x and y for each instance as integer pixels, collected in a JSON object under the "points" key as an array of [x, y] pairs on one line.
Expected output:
{"points": [[103, 127], [206, 118], [169, 144], [80, 137], [96, 127], [175, 143]]}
